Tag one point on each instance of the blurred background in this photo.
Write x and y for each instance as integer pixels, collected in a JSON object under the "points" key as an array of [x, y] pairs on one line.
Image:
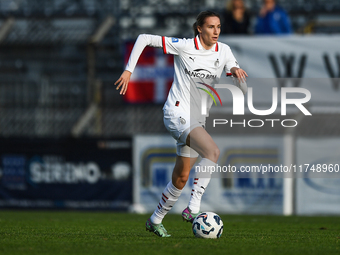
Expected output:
{"points": [[69, 140]]}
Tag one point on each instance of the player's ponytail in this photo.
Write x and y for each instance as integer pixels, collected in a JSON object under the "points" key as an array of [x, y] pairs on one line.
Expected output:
{"points": [[201, 19], [194, 27]]}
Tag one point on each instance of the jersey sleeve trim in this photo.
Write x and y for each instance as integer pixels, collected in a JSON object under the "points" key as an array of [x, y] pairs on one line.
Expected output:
{"points": [[164, 45]]}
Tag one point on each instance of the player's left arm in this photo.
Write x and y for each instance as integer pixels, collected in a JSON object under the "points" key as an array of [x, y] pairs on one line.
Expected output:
{"points": [[239, 73], [233, 67]]}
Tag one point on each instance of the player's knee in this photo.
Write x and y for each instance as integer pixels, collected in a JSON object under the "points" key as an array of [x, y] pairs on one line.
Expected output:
{"points": [[214, 153]]}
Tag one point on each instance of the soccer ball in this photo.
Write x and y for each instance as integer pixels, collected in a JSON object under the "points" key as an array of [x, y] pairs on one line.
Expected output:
{"points": [[207, 225]]}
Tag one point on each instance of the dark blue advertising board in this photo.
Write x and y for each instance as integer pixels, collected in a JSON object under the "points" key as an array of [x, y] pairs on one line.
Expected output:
{"points": [[66, 173]]}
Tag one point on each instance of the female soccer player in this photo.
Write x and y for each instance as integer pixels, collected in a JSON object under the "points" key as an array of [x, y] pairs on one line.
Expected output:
{"points": [[198, 63]]}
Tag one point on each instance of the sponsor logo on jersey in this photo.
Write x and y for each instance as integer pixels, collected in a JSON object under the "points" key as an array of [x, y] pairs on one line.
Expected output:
{"points": [[174, 40], [200, 73]]}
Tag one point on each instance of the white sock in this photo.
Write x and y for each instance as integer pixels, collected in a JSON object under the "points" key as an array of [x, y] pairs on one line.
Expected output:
{"points": [[199, 187], [169, 197]]}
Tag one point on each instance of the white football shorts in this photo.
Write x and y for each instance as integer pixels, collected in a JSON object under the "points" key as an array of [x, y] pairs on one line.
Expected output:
{"points": [[179, 125]]}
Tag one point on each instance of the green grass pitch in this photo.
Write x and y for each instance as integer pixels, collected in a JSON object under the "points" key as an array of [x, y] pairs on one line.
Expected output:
{"points": [[40, 232]]}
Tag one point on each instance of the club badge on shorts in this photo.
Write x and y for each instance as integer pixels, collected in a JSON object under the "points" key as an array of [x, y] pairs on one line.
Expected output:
{"points": [[183, 121]]}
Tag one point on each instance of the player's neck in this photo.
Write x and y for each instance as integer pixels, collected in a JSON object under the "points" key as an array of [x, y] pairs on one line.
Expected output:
{"points": [[204, 45]]}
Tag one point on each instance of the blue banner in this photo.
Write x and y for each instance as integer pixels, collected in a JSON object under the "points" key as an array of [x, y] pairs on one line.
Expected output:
{"points": [[66, 173]]}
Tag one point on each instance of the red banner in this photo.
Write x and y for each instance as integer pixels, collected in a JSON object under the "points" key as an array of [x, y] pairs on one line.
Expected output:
{"points": [[152, 77]]}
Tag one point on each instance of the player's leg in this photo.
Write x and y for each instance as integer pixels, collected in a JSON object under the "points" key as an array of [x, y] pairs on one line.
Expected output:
{"points": [[181, 171], [201, 142], [170, 195]]}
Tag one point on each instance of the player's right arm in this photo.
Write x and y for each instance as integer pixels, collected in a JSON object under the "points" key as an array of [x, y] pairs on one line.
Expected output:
{"points": [[123, 82], [142, 41], [169, 45]]}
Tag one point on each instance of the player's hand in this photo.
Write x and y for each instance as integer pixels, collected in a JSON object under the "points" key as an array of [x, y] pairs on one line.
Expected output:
{"points": [[239, 73], [123, 82]]}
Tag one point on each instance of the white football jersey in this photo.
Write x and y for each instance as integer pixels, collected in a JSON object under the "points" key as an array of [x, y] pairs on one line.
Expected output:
{"points": [[197, 70]]}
